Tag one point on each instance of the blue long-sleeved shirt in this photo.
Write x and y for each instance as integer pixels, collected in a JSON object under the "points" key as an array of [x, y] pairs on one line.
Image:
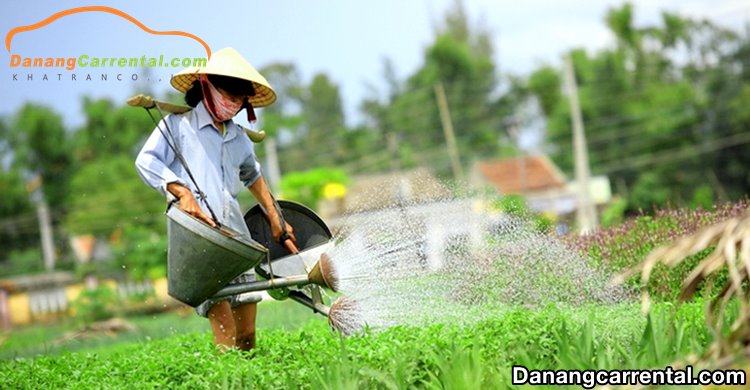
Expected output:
{"points": [[221, 164]]}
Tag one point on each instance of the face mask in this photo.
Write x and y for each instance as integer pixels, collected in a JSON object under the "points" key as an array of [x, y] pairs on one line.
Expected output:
{"points": [[219, 106]]}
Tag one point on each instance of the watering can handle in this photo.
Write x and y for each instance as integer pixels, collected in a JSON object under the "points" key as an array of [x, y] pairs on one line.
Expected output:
{"points": [[285, 239], [289, 244]]}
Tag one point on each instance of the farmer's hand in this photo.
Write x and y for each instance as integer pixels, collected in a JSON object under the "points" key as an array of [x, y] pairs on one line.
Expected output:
{"points": [[277, 232], [188, 203]]}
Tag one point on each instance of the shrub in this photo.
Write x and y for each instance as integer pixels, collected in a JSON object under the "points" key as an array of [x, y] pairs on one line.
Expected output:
{"points": [[22, 262], [626, 245], [142, 253], [95, 304], [515, 205], [307, 187]]}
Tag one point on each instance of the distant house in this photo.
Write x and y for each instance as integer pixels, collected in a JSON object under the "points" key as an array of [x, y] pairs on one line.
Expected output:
{"points": [[410, 206], [384, 190], [539, 180], [522, 175]]}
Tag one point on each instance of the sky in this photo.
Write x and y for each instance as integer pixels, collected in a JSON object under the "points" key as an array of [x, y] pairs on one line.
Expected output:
{"points": [[346, 39]]}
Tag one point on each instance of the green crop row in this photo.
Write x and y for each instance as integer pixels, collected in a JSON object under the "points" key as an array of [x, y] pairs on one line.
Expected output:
{"points": [[440, 356]]}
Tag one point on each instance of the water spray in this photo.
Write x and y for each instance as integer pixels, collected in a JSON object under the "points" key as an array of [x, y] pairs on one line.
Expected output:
{"points": [[343, 315], [454, 265]]}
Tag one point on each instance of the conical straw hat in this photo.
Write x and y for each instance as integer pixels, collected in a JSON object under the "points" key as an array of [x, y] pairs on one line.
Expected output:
{"points": [[228, 62]]}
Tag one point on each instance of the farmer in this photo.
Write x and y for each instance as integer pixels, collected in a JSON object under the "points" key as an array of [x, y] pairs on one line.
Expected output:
{"points": [[221, 158]]}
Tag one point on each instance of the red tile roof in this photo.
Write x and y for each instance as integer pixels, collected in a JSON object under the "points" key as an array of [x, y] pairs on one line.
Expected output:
{"points": [[522, 174]]}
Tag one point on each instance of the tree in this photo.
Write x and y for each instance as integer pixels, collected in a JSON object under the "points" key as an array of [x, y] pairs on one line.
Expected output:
{"points": [[284, 115], [15, 197], [107, 194], [307, 119], [110, 130], [18, 224], [725, 118], [461, 59], [40, 147], [652, 119], [324, 121], [105, 190], [35, 164]]}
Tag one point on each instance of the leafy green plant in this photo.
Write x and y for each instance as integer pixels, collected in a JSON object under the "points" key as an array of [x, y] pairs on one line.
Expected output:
{"points": [[614, 214], [515, 205], [339, 374], [662, 341], [512, 204], [462, 367], [22, 262], [307, 187], [95, 304], [141, 252]]}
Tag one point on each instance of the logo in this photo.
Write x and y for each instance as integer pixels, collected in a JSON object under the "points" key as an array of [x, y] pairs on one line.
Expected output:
{"points": [[88, 61]]}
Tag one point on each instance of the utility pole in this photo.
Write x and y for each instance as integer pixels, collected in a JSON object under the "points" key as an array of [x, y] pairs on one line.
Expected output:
{"points": [[585, 212], [450, 138], [272, 161], [45, 225], [392, 142], [512, 123]]}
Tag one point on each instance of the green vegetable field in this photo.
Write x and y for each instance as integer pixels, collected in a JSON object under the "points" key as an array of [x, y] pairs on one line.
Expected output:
{"points": [[312, 356], [297, 349]]}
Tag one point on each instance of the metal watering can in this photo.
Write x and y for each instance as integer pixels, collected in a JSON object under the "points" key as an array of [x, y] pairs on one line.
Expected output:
{"points": [[201, 260]]}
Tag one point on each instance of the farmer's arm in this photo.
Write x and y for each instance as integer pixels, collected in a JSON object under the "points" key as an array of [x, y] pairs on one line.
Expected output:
{"points": [[251, 177], [154, 161], [188, 203], [262, 193], [153, 164]]}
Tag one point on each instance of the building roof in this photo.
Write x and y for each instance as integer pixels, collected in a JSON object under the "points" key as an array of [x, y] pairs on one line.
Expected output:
{"points": [[380, 191], [521, 175], [38, 281]]}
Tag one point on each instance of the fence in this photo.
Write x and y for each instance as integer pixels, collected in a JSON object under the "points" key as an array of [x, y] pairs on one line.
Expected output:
{"points": [[49, 298]]}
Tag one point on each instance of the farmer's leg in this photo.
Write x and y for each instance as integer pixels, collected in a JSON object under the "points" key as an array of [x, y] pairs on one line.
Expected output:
{"points": [[244, 309], [244, 319], [222, 324]]}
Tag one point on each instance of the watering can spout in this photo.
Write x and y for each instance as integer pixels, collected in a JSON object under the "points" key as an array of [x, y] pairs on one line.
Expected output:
{"points": [[323, 273], [342, 315]]}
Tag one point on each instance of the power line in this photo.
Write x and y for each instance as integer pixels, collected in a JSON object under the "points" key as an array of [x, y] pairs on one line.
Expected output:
{"points": [[460, 114], [676, 154]]}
